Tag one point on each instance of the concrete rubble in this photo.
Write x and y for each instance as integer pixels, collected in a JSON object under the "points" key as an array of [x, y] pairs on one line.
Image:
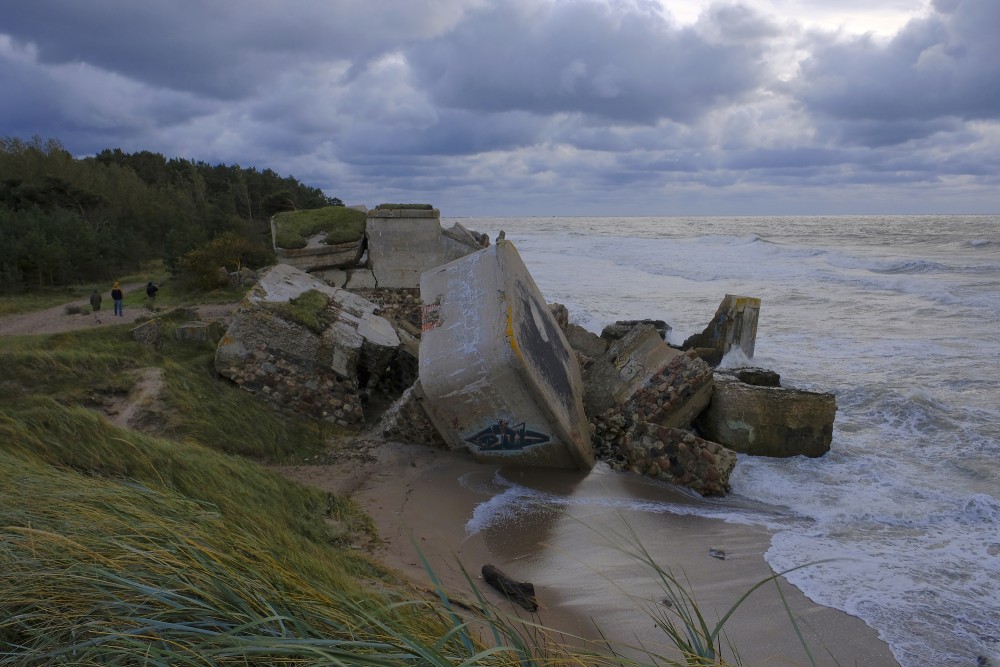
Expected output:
{"points": [[476, 360], [268, 348]]}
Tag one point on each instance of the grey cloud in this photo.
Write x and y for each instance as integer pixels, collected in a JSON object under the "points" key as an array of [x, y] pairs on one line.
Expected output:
{"points": [[615, 62], [225, 48], [945, 65]]}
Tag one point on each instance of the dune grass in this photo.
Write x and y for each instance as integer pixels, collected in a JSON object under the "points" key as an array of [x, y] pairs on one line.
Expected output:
{"points": [[174, 546]]}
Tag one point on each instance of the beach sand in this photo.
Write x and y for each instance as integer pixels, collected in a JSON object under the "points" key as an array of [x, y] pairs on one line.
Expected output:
{"points": [[420, 497]]}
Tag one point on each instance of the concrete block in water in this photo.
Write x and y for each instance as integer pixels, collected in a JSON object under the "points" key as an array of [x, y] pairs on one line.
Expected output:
{"points": [[734, 325], [498, 375]]}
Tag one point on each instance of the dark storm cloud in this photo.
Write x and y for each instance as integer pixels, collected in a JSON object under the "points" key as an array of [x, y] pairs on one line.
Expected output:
{"points": [[613, 61], [946, 65], [493, 106], [224, 48]]}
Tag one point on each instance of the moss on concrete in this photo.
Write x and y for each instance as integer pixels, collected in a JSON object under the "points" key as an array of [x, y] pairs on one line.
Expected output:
{"points": [[341, 225]]}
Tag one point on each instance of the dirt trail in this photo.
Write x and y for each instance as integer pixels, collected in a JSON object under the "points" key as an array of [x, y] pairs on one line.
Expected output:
{"points": [[55, 320]]}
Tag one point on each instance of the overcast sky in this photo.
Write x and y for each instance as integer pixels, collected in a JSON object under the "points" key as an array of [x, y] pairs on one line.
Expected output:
{"points": [[534, 107]]}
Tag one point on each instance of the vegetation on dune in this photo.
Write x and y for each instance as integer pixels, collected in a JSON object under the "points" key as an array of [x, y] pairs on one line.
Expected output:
{"points": [[339, 224], [412, 207], [66, 221]]}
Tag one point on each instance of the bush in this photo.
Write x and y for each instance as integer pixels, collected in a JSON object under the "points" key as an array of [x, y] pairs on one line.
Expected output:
{"points": [[200, 267]]}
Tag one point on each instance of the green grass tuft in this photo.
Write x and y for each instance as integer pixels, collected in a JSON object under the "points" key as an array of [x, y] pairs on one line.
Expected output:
{"points": [[340, 224]]}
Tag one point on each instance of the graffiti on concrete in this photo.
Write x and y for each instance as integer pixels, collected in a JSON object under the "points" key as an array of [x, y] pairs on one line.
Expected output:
{"points": [[503, 436]]}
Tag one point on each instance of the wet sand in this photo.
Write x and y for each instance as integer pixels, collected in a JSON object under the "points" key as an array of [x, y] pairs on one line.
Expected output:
{"points": [[423, 498]]}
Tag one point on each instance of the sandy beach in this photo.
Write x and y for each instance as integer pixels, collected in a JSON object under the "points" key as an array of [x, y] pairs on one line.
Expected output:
{"points": [[424, 497]]}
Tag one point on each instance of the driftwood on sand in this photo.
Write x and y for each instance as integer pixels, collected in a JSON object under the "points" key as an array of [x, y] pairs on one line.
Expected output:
{"points": [[522, 593]]}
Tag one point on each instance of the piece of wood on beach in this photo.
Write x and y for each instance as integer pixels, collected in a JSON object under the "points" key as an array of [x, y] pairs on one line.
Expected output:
{"points": [[520, 592]]}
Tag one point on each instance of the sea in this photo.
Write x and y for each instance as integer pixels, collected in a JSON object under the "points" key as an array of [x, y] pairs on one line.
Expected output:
{"points": [[899, 318]]}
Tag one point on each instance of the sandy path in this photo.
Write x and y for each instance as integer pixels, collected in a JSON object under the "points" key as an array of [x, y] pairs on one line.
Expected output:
{"points": [[55, 320]]}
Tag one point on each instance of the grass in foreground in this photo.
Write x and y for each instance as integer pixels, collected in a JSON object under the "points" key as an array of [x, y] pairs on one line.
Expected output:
{"points": [[122, 547]]}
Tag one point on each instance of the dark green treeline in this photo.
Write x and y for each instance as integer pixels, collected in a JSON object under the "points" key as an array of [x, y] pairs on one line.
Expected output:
{"points": [[65, 220]]}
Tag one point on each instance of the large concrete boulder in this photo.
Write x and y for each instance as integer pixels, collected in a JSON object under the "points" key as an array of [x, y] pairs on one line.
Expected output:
{"points": [[307, 346], [497, 373], [405, 242], [768, 421], [734, 325]]}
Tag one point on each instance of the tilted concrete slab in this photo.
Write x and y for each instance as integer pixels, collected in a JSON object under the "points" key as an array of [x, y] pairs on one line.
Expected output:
{"points": [[734, 325], [628, 365], [498, 375]]}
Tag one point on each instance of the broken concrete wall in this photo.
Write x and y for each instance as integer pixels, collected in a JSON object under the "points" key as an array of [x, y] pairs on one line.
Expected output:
{"points": [[403, 243], [497, 372], [734, 325]]}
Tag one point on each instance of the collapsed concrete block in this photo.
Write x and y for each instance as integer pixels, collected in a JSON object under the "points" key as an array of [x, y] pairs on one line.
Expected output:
{"points": [[768, 421], [620, 329], [405, 242], [307, 346], [360, 279], [679, 457], [734, 325], [497, 372], [585, 342], [150, 333], [628, 364]]}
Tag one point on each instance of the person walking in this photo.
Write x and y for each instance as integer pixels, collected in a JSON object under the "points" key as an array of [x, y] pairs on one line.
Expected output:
{"points": [[95, 305], [151, 291], [118, 296]]}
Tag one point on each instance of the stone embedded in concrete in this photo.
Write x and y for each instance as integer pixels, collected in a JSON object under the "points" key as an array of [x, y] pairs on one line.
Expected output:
{"points": [[628, 364], [679, 457], [497, 372], [734, 325], [150, 333], [403, 243], [769, 421], [322, 374]]}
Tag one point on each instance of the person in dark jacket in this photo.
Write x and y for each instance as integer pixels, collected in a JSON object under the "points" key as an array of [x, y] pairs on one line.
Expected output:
{"points": [[95, 305], [151, 291], [118, 296]]}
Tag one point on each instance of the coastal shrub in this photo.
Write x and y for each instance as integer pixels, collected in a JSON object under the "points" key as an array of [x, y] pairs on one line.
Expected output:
{"points": [[340, 224], [199, 268]]}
